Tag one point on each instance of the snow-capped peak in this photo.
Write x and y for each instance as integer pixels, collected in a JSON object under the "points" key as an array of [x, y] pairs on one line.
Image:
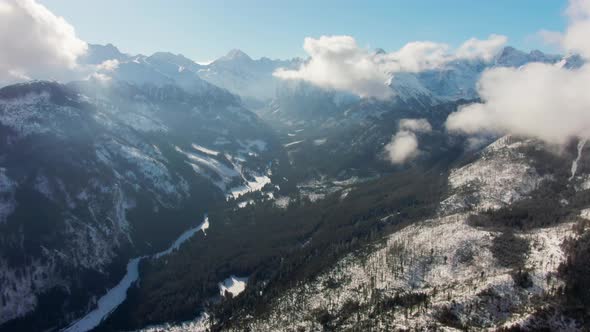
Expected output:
{"points": [[511, 57], [97, 54], [236, 54]]}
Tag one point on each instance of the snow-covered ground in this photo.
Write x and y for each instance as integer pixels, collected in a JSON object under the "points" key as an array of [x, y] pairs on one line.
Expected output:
{"points": [[243, 204], [233, 285], [444, 258], [250, 186], [228, 173], [293, 143], [453, 272], [501, 176], [282, 202], [319, 141], [574, 167], [24, 115], [108, 302], [224, 171], [203, 226], [205, 150], [116, 295], [201, 324]]}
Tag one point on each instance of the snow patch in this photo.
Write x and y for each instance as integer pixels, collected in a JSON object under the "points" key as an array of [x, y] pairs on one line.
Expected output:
{"points": [[228, 173], [282, 202], [234, 285], [293, 143], [574, 168], [205, 150], [320, 141], [251, 186], [585, 213], [203, 226], [108, 302], [243, 204], [225, 172]]}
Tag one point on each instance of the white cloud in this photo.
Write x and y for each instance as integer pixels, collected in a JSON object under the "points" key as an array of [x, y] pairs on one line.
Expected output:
{"points": [[35, 42], [404, 144], [415, 125], [551, 37], [576, 38], [337, 62], [539, 100], [108, 65], [482, 49], [403, 147], [416, 56], [100, 77]]}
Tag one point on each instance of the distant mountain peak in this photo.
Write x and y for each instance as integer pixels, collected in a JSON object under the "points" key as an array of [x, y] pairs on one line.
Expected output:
{"points": [[380, 51], [510, 51], [513, 57], [99, 53], [166, 55], [236, 54], [178, 59]]}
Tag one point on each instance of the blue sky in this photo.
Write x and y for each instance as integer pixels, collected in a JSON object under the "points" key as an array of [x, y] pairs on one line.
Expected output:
{"points": [[205, 30]]}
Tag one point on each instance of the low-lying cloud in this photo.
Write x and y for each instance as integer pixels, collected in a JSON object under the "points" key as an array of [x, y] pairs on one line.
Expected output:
{"points": [[415, 125], [404, 144], [35, 42], [549, 102], [337, 62]]}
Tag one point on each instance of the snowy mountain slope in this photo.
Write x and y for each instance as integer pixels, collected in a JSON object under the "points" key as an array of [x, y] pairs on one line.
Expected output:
{"points": [[98, 54], [458, 79], [237, 72], [252, 79], [91, 174], [458, 273], [511, 57], [245, 76], [502, 175], [447, 272]]}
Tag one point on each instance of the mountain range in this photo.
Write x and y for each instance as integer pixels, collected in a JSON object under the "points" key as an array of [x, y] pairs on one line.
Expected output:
{"points": [[307, 222]]}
